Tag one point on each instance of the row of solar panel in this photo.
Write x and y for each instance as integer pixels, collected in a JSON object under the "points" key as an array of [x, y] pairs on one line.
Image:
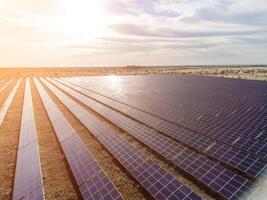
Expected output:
{"points": [[241, 160], [172, 114], [92, 181], [28, 177], [4, 107], [169, 149], [252, 145], [190, 107], [227, 126], [218, 103], [2, 80], [155, 180], [229, 121], [184, 102], [6, 85], [229, 118]]}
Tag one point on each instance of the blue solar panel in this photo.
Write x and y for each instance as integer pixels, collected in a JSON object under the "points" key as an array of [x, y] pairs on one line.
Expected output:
{"points": [[223, 118], [5, 106], [169, 149], [28, 177], [197, 141]]}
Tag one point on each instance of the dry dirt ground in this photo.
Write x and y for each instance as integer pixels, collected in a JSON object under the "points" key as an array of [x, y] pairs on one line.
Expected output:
{"points": [[58, 181], [247, 72]]}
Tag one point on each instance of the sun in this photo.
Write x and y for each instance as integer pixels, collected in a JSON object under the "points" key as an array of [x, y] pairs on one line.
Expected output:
{"points": [[81, 16]]}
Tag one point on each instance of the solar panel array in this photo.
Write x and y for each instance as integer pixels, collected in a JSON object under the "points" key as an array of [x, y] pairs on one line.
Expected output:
{"points": [[198, 141], [221, 119], [28, 177], [92, 181], [199, 167], [247, 136], [244, 161], [155, 180], [192, 112]]}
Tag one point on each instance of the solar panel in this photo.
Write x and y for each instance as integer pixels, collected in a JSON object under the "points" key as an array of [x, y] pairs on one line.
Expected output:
{"points": [[2, 80], [135, 162], [253, 145], [5, 106], [239, 159], [92, 181], [27, 134], [28, 177], [37, 194], [197, 141], [6, 85], [211, 174]]}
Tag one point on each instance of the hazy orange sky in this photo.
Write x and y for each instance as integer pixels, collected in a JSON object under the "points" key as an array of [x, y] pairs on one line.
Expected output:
{"points": [[146, 32]]}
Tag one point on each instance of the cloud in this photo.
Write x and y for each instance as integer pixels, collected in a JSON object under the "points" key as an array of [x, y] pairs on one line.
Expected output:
{"points": [[152, 8], [130, 29], [143, 31], [229, 12], [217, 15], [252, 41], [138, 7], [117, 8], [139, 45]]}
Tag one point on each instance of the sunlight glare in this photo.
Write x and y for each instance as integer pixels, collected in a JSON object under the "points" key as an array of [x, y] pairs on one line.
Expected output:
{"points": [[81, 16], [115, 83]]}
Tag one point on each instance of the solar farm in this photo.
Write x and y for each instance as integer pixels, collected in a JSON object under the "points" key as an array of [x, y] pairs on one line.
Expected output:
{"points": [[132, 137]]}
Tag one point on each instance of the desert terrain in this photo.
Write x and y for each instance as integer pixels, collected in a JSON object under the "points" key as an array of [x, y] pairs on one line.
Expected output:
{"points": [[257, 72]]}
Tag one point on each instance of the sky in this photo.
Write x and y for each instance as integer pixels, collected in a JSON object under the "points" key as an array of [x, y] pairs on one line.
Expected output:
{"points": [[132, 32]]}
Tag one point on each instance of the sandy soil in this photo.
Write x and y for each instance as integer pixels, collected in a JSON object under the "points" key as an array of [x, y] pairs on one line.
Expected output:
{"points": [[57, 180], [9, 138], [252, 73], [241, 72], [127, 187]]}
